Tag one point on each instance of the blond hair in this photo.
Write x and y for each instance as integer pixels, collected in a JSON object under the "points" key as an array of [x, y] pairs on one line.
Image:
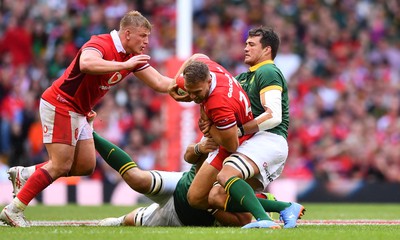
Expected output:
{"points": [[134, 19]]}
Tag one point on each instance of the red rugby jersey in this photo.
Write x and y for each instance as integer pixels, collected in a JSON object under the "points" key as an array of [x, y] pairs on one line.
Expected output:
{"points": [[227, 105], [80, 92]]}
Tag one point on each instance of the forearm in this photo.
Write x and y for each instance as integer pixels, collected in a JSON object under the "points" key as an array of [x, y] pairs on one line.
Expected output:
{"points": [[155, 80], [196, 153], [232, 219], [226, 138], [193, 156], [272, 117]]}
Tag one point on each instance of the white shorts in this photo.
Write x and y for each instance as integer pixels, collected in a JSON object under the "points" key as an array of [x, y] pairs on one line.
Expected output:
{"points": [[158, 215], [269, 152], [62, 126], [169, 180]]}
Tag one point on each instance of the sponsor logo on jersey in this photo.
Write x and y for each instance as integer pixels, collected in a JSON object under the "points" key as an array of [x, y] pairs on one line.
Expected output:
{"points": [[61, 99], [230, 91], [114, 79]]}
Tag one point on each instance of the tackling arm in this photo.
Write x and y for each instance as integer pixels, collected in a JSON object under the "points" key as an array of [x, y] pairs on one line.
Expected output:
{"points": [[227, 138], [91, 62], [272, 102], [196, 153], [151, 77], [232, 219]]}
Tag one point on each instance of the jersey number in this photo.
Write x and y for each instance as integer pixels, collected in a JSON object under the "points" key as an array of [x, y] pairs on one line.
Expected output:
{"points": [[243, 99], [242, 96]]}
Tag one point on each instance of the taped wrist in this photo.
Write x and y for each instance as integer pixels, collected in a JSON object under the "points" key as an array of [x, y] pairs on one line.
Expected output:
{"points": [[240, 131], [197, 149]]}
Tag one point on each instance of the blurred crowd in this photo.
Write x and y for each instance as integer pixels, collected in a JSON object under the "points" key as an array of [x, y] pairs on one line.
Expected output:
{"points": [[341, 60]]}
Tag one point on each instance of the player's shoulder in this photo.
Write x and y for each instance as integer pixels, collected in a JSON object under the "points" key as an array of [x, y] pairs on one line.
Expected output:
{"points": [[101, 41], [268, 70]]}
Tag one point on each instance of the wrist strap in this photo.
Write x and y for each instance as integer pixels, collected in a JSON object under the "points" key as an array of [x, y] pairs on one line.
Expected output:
{"points": [[197, 149], [240, 131]]}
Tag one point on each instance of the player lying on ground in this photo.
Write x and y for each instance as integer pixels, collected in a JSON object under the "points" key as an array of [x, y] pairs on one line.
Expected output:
{"points": [[167, 189]]}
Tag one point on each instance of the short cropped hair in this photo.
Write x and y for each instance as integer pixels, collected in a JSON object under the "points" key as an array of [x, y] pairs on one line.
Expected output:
{"points": [[268, 38], [195, 72], [134, 19]]}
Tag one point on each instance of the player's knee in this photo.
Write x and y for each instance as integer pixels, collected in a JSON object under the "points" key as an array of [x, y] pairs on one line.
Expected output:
{"points": [[60, 170], [138, 180], [235, 165], [81, 169]]}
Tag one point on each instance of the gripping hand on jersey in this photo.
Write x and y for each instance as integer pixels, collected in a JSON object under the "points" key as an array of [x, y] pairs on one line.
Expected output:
{"points": [[204, 124]]}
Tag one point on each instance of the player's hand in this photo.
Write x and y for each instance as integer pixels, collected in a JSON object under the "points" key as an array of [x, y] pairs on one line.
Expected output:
{"points": [[173, 92], [208, 145], [134, 61], [90, 117], [204, 126]]}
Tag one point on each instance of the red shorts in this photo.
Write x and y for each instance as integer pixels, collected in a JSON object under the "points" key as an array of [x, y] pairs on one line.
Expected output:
{"points": [[216, 158], [60, 125]]}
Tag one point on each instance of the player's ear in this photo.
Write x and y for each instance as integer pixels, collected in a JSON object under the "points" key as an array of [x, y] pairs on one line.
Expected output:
{"points": [[209, 79], [127, 34]]}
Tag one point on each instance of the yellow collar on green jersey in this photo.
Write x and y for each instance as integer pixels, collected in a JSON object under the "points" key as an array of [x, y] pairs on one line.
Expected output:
{"points": [[255, 67]]}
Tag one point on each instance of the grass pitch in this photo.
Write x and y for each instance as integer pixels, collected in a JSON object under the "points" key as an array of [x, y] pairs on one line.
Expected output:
{"points": [[321, 221]]}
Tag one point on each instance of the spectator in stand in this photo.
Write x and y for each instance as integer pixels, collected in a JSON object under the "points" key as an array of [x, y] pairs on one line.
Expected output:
{"points": [[372, 72]]}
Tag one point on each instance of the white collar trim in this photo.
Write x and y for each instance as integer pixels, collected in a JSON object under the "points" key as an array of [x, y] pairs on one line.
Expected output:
{"points": [[117, 41]]}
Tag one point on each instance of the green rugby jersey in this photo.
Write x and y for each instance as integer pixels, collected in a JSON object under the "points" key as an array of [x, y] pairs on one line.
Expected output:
{"points": [[263, 77], [189, 216]]}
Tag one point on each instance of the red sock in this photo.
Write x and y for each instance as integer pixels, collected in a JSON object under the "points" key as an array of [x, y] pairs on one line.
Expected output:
{"points": [[36, 183], [40, 165]]}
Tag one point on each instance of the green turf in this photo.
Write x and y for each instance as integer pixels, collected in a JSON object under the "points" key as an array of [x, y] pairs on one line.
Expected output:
{"points": [[304, 232]]}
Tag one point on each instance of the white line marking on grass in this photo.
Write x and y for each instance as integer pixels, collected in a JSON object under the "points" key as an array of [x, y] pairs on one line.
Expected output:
{"points": [[349, 222], [77, 223]]}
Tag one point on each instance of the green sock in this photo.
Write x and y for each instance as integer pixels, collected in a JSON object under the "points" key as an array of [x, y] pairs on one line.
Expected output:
{"points": [[113, 155], [273, 206], [241, 192], [268, 205]]}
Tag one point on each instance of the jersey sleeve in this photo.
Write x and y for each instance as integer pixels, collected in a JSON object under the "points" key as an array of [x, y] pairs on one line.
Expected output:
{"points": [[220, 113], [95, 44], [141, 67], [269, 80]]}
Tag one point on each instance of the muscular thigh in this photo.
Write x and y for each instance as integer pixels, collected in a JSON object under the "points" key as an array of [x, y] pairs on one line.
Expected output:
{"points": [[84, 158], [201, 186]]}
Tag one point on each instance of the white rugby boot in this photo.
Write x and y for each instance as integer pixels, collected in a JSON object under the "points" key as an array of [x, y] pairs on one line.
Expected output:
{"points": [[108, 222], [13, 218], [14, 175]]}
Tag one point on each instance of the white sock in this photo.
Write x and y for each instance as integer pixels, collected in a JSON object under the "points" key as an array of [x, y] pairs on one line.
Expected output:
{"points": [[17, 206]]}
